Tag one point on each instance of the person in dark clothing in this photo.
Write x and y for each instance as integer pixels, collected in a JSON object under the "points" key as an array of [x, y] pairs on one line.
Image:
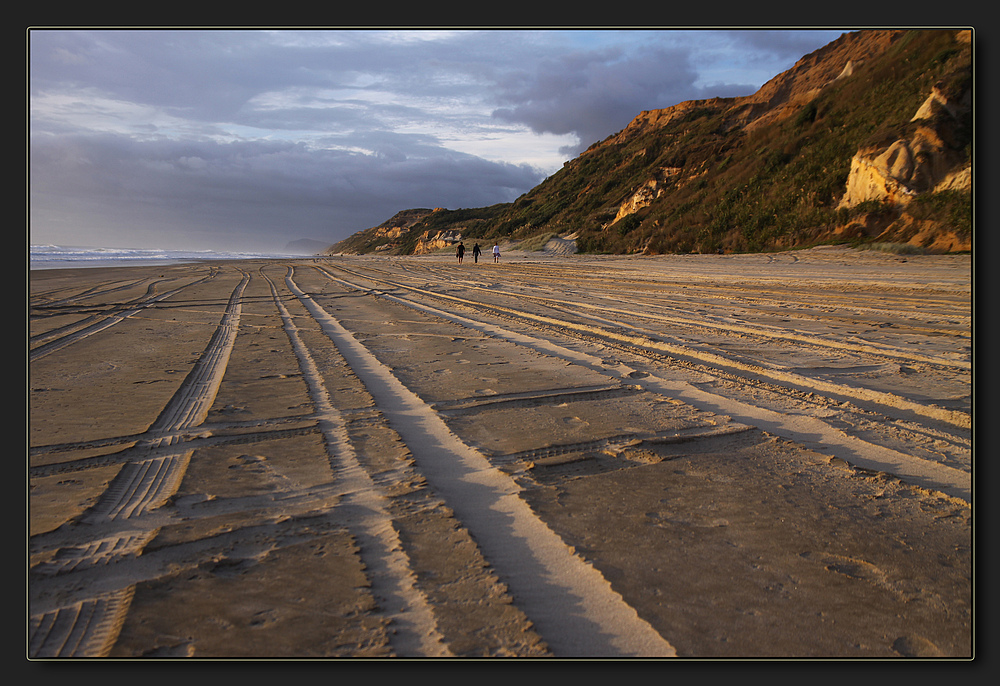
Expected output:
{"points": [[476, 252], [460, 252]]}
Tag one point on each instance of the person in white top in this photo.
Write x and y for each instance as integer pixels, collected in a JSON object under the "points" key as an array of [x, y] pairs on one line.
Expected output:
{"points": [[496, 252]]}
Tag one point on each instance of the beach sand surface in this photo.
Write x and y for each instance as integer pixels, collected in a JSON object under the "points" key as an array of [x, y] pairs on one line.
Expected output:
{"points": [[553, 456]]}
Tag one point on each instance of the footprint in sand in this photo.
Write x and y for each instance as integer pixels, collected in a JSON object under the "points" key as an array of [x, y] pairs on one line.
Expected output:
{"points": [[575, 422], [850, 567]]}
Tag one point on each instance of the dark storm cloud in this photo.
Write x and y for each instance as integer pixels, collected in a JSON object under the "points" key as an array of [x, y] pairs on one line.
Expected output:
{"points": [[596, 93], [250, 139]]}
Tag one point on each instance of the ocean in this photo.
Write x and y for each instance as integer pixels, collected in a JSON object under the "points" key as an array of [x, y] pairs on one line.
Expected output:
{"points": [[66, 257]]}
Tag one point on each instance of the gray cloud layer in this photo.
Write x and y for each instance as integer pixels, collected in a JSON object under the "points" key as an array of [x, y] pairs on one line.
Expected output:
{"points": [[249, 139]]}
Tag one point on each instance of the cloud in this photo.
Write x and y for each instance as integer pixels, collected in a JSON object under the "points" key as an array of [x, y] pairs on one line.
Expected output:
{"points": [[251, 138], [258, 194], [596, 93]]}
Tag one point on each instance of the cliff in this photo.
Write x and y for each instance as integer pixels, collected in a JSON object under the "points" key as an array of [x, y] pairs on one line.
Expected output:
{"points": [[866, 139]]}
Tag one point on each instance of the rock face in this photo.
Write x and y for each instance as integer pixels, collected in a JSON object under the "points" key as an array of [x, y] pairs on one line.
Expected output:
{"points": [[433, 241], [922, 163], [647, 193], [643, 197]]}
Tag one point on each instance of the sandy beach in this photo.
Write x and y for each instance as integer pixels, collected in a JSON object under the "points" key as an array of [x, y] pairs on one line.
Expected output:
{"points": [[555, 456]]}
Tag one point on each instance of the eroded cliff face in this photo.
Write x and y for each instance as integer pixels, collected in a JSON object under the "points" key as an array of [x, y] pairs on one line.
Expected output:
{"points": [[647, 193], [924, 162], [928, 160], [433, 241], [781, 97]]}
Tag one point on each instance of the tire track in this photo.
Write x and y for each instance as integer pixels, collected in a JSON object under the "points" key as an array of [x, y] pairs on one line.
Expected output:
{"points": [[89, 326], [92, 568], [392, 579], [638, 342], [760, 331], [674, 304], [46, 300], [616, 444], [571, 604], [88, 628], [809, 431], [642, 309]]}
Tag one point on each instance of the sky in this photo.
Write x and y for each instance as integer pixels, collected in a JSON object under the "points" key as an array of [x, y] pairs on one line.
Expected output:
{"points": [[245, 140]]}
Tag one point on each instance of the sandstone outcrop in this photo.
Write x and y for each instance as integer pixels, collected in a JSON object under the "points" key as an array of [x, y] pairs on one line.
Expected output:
{"points": [[928, 160], [647, 193], [433, 241], [924, 162]]}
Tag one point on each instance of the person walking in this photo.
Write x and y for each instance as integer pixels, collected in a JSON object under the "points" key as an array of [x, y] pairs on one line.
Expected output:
{"points": [[496, 252], [460, 252], [476, 252]]}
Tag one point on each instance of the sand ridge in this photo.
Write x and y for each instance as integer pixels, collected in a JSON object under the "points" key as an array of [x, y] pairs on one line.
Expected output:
{"points": [[410, 457]]}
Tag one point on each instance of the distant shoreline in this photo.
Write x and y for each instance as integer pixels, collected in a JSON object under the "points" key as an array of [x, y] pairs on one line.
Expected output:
{"points": [[44, 257]]}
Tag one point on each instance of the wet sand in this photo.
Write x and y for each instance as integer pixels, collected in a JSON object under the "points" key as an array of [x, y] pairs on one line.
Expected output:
{"points": [[550, 457]]}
